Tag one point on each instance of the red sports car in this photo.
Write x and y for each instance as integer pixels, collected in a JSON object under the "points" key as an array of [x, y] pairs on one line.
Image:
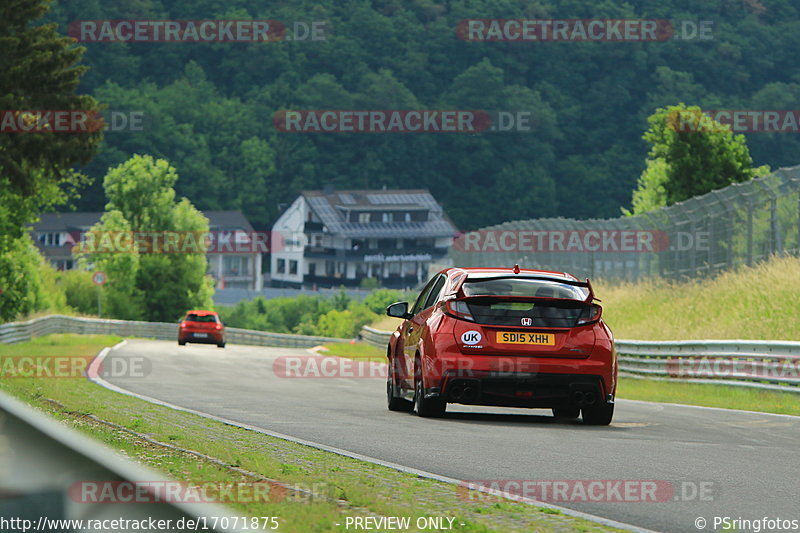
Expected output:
{"points": [[504, 337], [202, 326]]}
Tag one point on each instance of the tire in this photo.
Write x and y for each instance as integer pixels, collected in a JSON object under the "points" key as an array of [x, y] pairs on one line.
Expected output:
{"points": [[181, 343], [566, 412], [393, 401], [221, 345], [598, 414], [426, 407]]}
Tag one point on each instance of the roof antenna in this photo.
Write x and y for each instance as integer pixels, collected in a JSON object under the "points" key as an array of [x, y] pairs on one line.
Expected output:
{"points": [[516, 269]]}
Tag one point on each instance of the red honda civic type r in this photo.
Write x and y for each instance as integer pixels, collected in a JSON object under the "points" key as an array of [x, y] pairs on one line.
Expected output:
{"points": [[503, 337]]}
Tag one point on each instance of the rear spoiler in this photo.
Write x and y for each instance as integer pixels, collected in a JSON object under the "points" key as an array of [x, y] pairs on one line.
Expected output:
{"points": [[575, 283]]}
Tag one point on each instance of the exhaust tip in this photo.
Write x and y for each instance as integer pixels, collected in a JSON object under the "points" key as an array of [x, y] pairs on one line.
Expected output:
{"points": [[589, 398], [457, 393]]}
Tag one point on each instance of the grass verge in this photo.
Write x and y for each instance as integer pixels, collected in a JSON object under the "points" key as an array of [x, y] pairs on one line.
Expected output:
{"points": [[320, 489], [749, 303]]}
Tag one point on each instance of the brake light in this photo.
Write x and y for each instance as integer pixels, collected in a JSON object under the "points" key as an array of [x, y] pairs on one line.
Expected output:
{"points": [[457, 309], [590, 315], [218, 326], [183, 324]]}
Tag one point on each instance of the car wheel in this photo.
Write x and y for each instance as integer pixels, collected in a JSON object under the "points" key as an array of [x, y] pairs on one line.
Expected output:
{"points": [[394, 402], [426, 407], [598, 414], [566, 412], [221, 345], [181, 343]]}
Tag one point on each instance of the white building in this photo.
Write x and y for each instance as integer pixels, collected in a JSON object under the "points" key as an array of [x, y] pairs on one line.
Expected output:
{"points": [[330, 238]]}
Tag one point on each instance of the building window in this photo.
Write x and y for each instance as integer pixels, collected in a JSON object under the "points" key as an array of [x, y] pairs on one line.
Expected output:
{"points": [[50, 240], [364, 218], [408, 217], [280, 268], [330, 268], [386, 217], [235, 265], [292, 266]]}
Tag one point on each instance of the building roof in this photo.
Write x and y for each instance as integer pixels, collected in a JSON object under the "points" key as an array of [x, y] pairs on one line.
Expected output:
{"points": [[67, 221], [332, 208], [82, 221], [227, 220]]}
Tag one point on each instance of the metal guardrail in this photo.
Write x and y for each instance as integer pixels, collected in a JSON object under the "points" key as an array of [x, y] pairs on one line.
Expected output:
{"points": [[770, 365], [14, 332], [44, 467]]}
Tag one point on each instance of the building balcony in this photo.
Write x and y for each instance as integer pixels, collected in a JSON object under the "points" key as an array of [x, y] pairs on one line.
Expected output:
{"points": [[374, 255], [392, 282]]}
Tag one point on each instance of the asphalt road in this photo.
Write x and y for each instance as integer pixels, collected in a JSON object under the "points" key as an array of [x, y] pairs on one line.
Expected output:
{"points": [[748, 464]]}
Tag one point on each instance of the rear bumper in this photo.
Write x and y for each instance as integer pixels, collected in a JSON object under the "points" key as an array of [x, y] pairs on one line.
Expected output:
{"points": [[214, 337], [522, 389]]}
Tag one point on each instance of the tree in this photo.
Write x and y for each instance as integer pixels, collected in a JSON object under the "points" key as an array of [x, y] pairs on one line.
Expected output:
{"points": [[152, 283], [691, 154], [40, 73]]}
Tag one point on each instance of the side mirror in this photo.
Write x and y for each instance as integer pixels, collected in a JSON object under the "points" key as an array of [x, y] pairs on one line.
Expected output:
{"points": [[399, 310]]}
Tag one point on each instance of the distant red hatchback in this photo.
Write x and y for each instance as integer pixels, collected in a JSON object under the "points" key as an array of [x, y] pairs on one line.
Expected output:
{"points": [[503, 337], [202, 326]]}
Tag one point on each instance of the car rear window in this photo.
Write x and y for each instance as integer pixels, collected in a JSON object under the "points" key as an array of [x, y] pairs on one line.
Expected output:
{"points": [[201, 318], [492, 311], [523, 287]]}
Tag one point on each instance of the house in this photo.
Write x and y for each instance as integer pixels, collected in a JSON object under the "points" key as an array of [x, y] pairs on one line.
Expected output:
{"points": [[234, 266], [329, 238]]}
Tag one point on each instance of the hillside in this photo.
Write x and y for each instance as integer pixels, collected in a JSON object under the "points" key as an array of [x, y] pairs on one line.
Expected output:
{"points": [[209, 107]]}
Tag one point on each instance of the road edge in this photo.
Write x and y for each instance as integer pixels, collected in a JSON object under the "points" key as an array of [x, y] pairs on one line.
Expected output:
{"points": [[95, 378]]}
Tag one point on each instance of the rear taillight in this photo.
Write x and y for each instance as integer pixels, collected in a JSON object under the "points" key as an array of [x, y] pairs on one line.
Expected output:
{"points": [[218, 326], [590, 315], [183, 324], [457, 309]]}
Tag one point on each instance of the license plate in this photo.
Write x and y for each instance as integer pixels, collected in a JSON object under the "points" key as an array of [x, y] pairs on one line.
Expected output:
{"points": [[514, 337], [201, 335]]}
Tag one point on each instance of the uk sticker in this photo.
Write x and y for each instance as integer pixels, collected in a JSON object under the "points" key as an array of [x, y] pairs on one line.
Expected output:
{"points": [[471, 337]]}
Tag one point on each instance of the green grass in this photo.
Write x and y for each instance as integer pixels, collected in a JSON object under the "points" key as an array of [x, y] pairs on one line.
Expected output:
{"points": [[758, 303], [342, 486], [710, 395], [358, 350]]}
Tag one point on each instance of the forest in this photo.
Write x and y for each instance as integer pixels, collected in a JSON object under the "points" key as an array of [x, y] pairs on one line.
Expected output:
{"points": [[209, 108]]}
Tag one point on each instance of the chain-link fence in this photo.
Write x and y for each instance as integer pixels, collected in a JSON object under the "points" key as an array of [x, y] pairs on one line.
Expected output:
{"points": [[743, 223]]}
